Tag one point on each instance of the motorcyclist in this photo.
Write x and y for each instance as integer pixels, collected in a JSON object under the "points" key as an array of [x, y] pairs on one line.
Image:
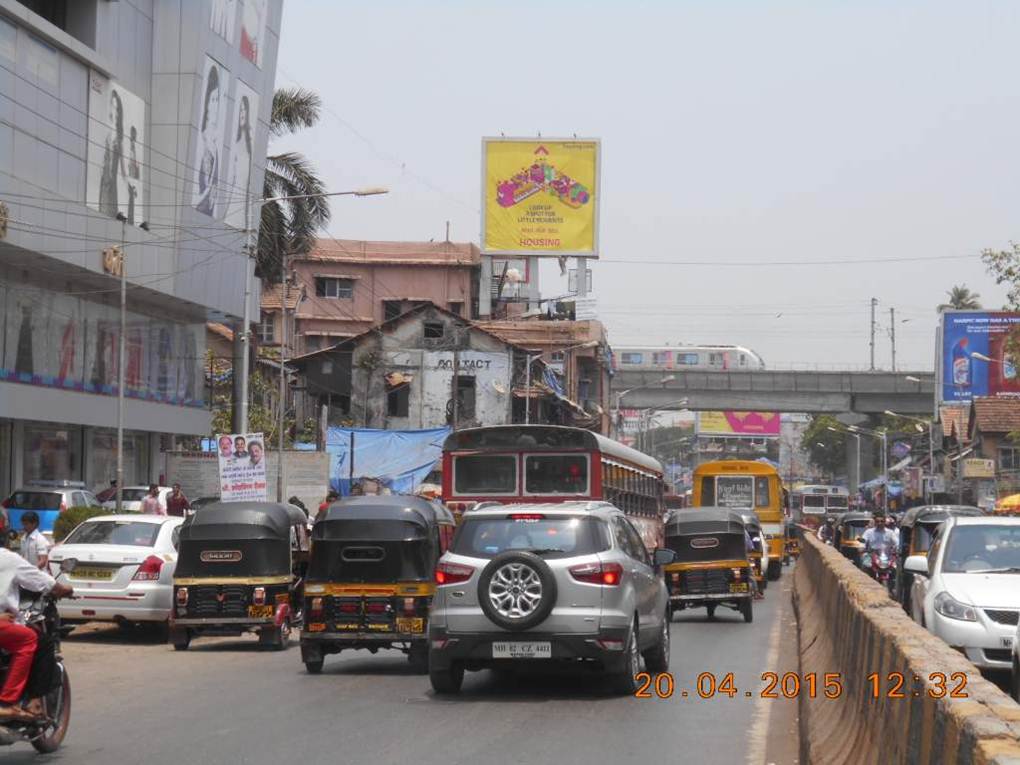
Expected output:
{"points": [[827, 531], [20, 641], [880, 537]]}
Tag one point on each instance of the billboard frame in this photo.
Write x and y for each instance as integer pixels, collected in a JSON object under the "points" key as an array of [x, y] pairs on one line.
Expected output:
{"points": [[596, 213]]}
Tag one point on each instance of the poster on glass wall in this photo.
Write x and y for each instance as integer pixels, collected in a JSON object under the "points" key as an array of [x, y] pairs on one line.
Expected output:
{"points": [[224, 14], [116, 170], [212, 115], [242, 458], [241, 137], [253, 30]]}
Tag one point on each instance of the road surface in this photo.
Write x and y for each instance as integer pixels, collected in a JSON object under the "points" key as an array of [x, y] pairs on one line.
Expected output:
{"points": [[225, 701]]}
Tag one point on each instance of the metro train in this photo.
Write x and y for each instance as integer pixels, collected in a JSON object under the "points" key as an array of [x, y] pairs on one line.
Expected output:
{"points": [[647, 357]]}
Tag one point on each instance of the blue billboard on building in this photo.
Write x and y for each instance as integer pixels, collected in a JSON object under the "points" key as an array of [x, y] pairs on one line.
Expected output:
{"points": [[974, 355]]}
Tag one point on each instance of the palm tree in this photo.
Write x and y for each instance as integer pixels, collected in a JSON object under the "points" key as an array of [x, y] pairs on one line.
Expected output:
{"points": [[961, 298], [290, 226]]}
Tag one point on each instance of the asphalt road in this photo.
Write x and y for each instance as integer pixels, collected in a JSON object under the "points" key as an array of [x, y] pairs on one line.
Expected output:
{"points": [[224, 701]]}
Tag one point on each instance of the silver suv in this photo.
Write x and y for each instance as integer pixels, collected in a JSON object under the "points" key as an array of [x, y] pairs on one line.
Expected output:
{"points": [[569, 583]]}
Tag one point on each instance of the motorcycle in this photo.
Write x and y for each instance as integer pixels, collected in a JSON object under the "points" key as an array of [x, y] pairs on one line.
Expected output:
{"points": [[882, 567], [48, 681]]}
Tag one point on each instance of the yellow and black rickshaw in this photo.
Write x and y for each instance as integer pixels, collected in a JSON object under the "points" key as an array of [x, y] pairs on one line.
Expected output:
{"points": [[850, 527], [917, 527], [712, 566], [239, 570], [759, 565], [370, 577]]}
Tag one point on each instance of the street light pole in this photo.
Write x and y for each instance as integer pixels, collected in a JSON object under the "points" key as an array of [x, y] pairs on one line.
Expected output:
{"points": [[121, 347], [621, 394]]}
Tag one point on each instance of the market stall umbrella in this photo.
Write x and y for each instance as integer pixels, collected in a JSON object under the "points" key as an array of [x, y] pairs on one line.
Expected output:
{"points": [[1010, 504]]}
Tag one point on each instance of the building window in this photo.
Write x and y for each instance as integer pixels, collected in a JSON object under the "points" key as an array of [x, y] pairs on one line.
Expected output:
{"points": [[313, 342], [457, 307], [434, 330], [54, 11], [557, 356], [331, 287], [1009, 458], [631, 358], [266, 328], [392, 309], [398, 401]]}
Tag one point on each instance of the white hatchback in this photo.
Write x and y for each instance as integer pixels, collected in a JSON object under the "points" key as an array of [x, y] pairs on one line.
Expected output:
{"points": [[124, 568], [967, 591]]}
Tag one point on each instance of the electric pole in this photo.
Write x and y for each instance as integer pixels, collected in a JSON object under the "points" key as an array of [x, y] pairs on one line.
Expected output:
{"points": [[874, 303], [892, 335]]}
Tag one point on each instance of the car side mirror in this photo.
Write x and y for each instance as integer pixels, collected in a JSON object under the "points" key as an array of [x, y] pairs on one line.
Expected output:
{"points": [[916, 564], [662, 557]]}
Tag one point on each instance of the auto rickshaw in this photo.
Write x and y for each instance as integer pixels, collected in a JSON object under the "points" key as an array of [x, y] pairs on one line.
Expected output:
{"points": [[239, 569], [759, 564], [849, 529], [917, 527], [370, 578], [712, 565]]}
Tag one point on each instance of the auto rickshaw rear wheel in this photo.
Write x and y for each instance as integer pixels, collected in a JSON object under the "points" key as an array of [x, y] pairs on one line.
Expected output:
{"points": [[180, 639], [418, 655], [747, 609], [711, 610], [313, 667]]}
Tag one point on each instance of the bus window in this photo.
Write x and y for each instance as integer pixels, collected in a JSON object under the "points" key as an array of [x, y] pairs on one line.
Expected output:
{"points": [[485, 474], [555, 474], [762, 493], [708, 490], [813, 503]]}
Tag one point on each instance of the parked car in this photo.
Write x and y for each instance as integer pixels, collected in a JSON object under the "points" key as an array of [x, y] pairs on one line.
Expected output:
{"points": [[48, 499], [132, 496], [124, 571], [544, 584], [967, 590]]}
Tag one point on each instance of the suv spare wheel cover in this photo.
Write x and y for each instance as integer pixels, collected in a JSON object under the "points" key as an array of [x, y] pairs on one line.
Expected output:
{"points": [[517, 590]]}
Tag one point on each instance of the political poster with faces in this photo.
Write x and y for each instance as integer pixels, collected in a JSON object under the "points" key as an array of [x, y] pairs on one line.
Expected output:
{"points": [[242, 458]]}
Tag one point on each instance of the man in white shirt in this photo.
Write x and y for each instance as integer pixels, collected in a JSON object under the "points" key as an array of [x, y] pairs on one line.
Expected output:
{"points": [[34, 547], [19, 641], [879, 537]]}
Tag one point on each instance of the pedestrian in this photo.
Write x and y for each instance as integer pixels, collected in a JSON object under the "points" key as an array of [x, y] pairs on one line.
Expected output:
{"points": [[34, 547], [108, 493], [152, 504], [331, 497], [177, 503]]}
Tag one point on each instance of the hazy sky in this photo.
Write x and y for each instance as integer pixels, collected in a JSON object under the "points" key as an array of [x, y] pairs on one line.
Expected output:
{"points": [[731, 131]]}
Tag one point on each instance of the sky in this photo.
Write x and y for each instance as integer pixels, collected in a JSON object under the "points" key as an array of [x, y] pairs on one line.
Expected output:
{"points": [[758, 133]]}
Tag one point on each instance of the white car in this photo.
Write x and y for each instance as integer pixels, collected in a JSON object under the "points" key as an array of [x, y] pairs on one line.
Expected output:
{"points": [[132, 496], [967, 590], [124, 568]]}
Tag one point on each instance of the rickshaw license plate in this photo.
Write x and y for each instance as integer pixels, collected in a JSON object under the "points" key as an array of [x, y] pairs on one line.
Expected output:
{"points": [[84, 572], [738, 587], [260, 612], [516, 650], [410, 624]]}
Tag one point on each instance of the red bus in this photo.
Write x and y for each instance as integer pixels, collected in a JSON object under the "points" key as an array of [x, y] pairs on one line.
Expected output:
{"points": [[550, 463]]}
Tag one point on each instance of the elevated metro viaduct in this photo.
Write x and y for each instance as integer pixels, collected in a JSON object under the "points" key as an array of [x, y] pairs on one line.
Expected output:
{"points": [[769, 390]]}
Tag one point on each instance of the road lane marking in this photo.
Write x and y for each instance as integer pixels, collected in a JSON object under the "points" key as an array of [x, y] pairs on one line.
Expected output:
{"points": [[756, 744]]}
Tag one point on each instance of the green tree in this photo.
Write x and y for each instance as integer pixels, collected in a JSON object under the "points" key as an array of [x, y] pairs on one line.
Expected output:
{"points": [[262, 411], [961, 298], [290, 226], [825, 448]]}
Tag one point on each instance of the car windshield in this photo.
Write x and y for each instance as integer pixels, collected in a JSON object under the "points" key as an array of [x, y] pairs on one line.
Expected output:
{"points": [[984, 548], [114, 533], [550, 537], [134, 495], [35, 500]]}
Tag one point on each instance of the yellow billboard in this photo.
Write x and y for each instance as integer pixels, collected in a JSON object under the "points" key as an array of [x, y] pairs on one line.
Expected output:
{"points": [[540, 197]]}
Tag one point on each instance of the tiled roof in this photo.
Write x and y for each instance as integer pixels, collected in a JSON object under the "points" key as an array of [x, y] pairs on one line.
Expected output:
{"points": [[391, 253], [539, 333], [997, 415], [271, 297], [220, 329]]}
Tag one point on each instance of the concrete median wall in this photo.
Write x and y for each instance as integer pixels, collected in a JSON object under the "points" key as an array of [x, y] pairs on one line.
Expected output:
{"points": [[847, 624]]}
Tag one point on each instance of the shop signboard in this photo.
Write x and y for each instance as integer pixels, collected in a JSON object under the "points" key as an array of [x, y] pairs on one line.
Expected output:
{"points": [[974, 359], [978, 468]]}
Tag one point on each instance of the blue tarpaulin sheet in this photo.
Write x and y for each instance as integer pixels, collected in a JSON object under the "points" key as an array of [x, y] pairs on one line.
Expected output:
{"points": [[400, 459]]}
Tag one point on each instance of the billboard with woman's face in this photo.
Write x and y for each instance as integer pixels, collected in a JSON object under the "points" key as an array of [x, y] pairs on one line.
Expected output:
{"points": [[240, 138], [207, 166], [116, 151]]}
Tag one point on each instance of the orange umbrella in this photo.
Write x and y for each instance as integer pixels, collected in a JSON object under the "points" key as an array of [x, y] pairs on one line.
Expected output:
{"points": [[1010, 504]]}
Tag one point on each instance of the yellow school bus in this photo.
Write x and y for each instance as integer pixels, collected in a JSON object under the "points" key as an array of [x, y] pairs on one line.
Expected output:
{"points": [[748, 487]]}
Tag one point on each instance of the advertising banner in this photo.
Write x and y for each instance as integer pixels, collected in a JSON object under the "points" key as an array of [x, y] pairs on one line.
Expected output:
{"points": [[738, 423], [540, 197], [115, 181], [973, 356], [242, 458]]}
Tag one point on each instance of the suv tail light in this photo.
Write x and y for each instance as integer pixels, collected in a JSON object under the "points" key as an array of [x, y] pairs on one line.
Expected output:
{"points": [[527, 517], [608, 574], [453, 573], [149, 570]]}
